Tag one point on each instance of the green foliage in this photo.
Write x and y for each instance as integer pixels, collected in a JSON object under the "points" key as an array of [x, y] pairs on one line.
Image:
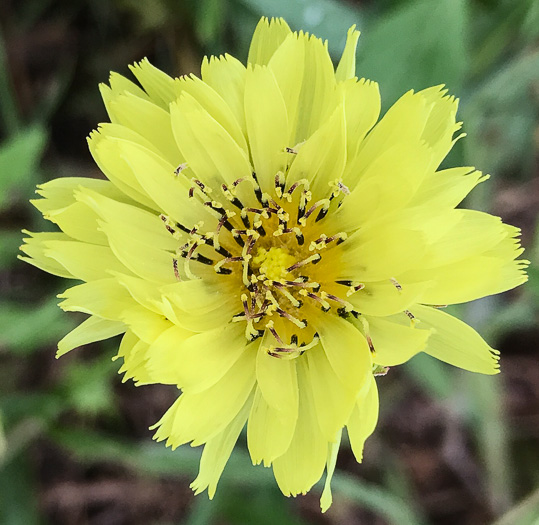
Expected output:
{"points": [[19, 158], [420, 44]]}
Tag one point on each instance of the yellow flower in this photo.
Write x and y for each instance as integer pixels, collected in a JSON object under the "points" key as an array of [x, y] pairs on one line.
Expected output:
{"points": [[268, 247]]}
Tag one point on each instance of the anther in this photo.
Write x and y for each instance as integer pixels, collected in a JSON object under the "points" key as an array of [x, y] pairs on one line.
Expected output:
{"points": [[176, 270], [315, 258], [396, 284], [411, 316], [180, 168], [322, 202], [279, 183], [300, 324]]}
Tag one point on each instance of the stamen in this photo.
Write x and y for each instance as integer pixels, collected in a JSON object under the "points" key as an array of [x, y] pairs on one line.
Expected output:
{"points": [[261, 198], [176, 270], [315, 258], [218, 267], [347, 306], [322, 202], [412, 317], [301, 182], [326, 307], [292, 319], [279, 183], [282, 288], [323, 241], [270, 325], [366, 329], [180, 168], [396, 284]]}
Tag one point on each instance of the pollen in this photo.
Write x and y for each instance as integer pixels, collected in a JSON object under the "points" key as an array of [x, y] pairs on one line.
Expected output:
{"points": [[273, 263]]}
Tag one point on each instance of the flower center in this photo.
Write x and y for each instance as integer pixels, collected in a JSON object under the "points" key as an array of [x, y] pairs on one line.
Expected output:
{"points": [[273, 262], [272, 251]]}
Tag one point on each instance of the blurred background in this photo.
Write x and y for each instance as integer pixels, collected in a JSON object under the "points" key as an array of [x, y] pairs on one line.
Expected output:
{"points": [[451, 447]]}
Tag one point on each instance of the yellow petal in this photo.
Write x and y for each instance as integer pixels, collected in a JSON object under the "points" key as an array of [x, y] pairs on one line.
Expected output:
{"points": [[91, 330], [471, 278], [133, 352], [395, 340], [380, 253], [103, 298], [333, 401], [333, 450], [362, 108], [406, 119], [387, 185], [277, 380], [84, 261], [473, 234], [363, 420], [136, 222], [322, 158], [347, 64], [209, 150], [318, 97], [447, 188], [347, 351], [157, 178], [267, 124], [144, 260], [441, 125], [145, 324], [287, 65], [302, 465], [199, 361], [213, 104], [455, 342], [108, 157], [148, 120], [216, 453], [268, 36], [226, 75], [158, 85], [269, 431], [384, 298], [118, 85], [201, 416], [34, 247]]}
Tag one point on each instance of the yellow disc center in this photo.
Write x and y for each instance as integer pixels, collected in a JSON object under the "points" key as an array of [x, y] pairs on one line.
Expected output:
{"points": [[273, 262]]}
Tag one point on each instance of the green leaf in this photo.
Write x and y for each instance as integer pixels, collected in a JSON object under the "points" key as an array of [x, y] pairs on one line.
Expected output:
{"points": [[87, 386], [419, 45], [19, 158], [9, 247], [375, 499], [18, 495], [24, 329], [501, 118], [525, 513]]}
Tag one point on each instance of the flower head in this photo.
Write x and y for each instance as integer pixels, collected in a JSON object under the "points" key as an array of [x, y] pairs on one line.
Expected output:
{"points": [[269, 248]]}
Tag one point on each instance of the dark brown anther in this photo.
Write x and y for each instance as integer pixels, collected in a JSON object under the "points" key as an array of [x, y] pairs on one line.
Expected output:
{"points": [[300, 238], [321, 214], [202, 259], [224, 271], [222, 251], [182, 227], [344, 283], [294, 339], [343, 313]]}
